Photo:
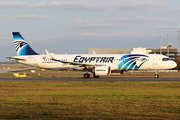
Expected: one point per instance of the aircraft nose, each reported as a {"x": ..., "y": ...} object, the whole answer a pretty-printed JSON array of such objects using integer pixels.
[{"x": 173, "y": 64}]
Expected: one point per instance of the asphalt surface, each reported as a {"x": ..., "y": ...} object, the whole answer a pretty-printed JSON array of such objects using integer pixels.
[{"x": 93, "y": 79}]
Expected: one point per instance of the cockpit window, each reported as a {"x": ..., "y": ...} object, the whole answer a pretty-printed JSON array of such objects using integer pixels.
[{"x": 165, "y": 59}]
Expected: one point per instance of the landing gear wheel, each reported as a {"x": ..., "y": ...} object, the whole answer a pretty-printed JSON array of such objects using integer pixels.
[
  {"x": 86, "y": 75},
  {"x": 95, "y": 76},
  {"x": 156, "y": 76}
]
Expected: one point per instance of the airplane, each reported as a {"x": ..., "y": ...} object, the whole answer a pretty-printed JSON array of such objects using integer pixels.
[{"x": 98, "y": 64}]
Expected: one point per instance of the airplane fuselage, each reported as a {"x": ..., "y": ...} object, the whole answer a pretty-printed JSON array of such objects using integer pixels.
[{"x": 115, "y": 61}]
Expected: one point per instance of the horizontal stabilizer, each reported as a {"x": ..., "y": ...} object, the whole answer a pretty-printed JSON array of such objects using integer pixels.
[{"x": 14, "y": 58}]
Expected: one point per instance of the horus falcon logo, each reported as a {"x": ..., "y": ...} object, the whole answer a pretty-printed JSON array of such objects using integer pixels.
[
  {"x": 132, "y": 62},
  {"x": 19, "y": 45}
]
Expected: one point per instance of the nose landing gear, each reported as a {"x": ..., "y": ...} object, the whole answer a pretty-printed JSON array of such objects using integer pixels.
[{"x": 156, "y": 74}]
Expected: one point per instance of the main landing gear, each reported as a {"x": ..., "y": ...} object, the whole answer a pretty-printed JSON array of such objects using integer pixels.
[
  {"x": 87, "y": 75},
  {"x": 156, "y": 75},
  {"x": 95, "y": 76}
]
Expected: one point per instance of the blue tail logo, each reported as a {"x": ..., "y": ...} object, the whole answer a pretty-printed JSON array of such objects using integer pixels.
[{"x": 22, "y": 47}]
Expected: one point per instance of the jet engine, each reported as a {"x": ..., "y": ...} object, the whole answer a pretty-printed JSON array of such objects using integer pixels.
[{"x": 102, "y": 70}]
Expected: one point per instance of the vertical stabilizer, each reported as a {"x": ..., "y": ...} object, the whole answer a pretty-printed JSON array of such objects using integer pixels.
[{"x": 22, "y": 47}]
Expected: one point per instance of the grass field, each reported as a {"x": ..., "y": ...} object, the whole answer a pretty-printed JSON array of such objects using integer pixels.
[{"x": 89, "y": 100}]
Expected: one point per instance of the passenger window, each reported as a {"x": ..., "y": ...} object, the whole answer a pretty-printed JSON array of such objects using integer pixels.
[{"x": 165, "y": 59}]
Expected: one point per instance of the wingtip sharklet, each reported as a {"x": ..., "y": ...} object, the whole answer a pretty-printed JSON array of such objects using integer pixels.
[{"x": 50, "y": 56}]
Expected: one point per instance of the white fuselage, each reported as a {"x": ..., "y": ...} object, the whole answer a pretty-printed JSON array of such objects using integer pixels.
[{"x": 115, "y": 61}]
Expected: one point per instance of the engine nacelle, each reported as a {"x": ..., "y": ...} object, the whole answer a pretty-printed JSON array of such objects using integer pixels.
[{"x": 102, "y": 70}]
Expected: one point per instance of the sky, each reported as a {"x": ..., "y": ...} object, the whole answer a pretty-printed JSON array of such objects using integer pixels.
[{"x": 73, "y": 26}]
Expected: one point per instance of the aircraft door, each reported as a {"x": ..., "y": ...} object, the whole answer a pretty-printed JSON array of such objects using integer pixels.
[
  {"x": 155, "y": 62},
  {"x": 36, "y": 61}
]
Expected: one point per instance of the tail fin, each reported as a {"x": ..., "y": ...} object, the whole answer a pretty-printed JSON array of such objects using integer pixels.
[{"x": 22, "y": 47}]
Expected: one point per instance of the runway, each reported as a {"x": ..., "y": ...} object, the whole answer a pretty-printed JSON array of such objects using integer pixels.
[{"x": 91, "y": 79}]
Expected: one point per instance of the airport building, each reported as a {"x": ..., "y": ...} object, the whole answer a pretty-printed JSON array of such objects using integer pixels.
[
  {"x": 109, "y": 50},
  {"x": 168, "y": 51},
  {"x": 171, "y": 53}
]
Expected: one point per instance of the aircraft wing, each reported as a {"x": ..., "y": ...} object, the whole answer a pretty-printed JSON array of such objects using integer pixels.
[{"x": 71, "y": 63}]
